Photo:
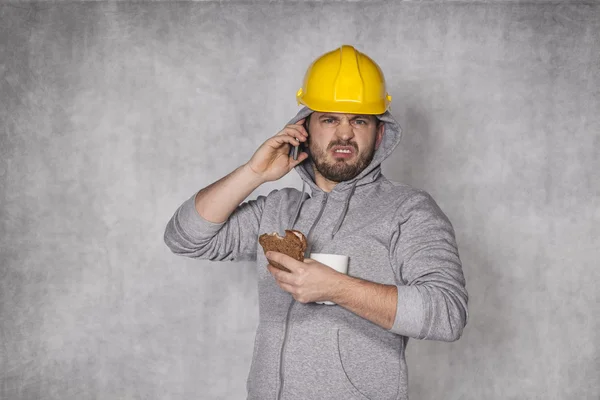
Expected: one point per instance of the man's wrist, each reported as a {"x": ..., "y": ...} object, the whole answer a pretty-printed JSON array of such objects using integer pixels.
[
  {"x": 251, "y": 176},
  {"x": 341, "y": 289}
]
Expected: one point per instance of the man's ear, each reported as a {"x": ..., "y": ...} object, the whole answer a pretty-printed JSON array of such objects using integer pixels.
[{"x": 380, "y": 132}]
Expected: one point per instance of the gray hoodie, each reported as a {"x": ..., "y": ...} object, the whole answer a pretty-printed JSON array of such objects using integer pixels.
[{"x": 393, "y": 234}]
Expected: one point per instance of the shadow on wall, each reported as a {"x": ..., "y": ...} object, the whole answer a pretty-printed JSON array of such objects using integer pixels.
[{"x": 419, "y": 161}]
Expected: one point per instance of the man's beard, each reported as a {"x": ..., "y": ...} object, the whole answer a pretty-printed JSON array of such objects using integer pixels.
[{"x": 340, "y": 170}]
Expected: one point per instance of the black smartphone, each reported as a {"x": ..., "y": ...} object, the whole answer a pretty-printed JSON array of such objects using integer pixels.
[{"x": 295, "y": 150}]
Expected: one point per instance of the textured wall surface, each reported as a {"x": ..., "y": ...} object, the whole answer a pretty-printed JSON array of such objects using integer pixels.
[{"x": 112, "y": 114}]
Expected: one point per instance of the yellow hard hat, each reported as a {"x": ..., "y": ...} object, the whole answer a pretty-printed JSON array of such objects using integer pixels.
[{"x": 345, "y": 81}]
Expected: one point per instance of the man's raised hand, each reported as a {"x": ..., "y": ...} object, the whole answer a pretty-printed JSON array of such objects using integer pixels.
[{"x": 272, "y": 160}]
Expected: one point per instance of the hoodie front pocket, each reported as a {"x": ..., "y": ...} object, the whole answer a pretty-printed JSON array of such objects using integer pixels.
[
  {"x": 371, "y": 361},
  {"x": 335, "y": 346},
  {"x": 313, "y": 369}
]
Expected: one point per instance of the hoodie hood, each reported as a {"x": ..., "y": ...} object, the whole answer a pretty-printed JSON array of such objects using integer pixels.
[{"x": 391, "y": 139}]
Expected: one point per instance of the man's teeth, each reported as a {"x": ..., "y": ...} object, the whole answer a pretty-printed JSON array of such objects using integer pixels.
[{"x": 343, "y": 151}]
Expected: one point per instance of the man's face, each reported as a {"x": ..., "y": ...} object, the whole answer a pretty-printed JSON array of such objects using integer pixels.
[{"x": 343, "y": 145}]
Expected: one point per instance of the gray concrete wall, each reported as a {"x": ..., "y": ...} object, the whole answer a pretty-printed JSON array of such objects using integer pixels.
[{"x": 112, "y": 114}]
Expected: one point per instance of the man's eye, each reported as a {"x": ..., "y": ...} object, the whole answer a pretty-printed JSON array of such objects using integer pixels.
[
  {"x": 328, "y": 120},
  {"x": 360, "y": 121}
]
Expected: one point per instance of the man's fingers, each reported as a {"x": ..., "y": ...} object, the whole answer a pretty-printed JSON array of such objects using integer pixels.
[
  {"x": 286, "y": 287},
  {"x": 279, "y": 275},
  {"x": 300, "y": 129},
  {"x": 301, "y": 157},
  {"x": 291, "y": 133},
  {"x": 293, "y": 130},
  {"x": 299, "y": 124},
  {"x": 282, "y": 259},
  {"x": 283, "y": 139}
]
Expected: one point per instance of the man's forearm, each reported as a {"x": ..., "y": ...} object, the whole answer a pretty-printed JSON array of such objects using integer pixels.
[
  {"x": 216, "y": 202},
  {"x": 373, "y": 301}
]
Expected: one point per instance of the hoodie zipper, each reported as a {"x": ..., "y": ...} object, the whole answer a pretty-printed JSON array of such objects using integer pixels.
[{"x": 289, "y": 311}]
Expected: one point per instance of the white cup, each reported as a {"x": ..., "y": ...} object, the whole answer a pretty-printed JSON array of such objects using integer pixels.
[{"x": 335, "y": 261}]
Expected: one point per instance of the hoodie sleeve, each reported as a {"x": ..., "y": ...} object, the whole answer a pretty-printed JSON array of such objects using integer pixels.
[
  {"x": 432, "y": 301},
  {"x": 189, "y": 234}
]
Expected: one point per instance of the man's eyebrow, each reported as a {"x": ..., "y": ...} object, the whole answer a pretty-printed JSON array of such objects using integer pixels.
[{"x": 333, "y": 116}]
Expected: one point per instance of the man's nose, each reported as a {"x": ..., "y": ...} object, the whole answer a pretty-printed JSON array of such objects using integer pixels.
[{"x": 345, "y": 130}]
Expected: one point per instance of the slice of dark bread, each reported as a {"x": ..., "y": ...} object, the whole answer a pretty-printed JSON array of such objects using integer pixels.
[{"x": 293, "y": 244}]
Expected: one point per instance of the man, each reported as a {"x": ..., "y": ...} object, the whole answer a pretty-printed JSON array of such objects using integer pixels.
[{"x": 404, "y": 278}]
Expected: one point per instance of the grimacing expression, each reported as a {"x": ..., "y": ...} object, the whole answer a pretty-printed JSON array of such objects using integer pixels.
[{"x": 352, "y": 144}]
